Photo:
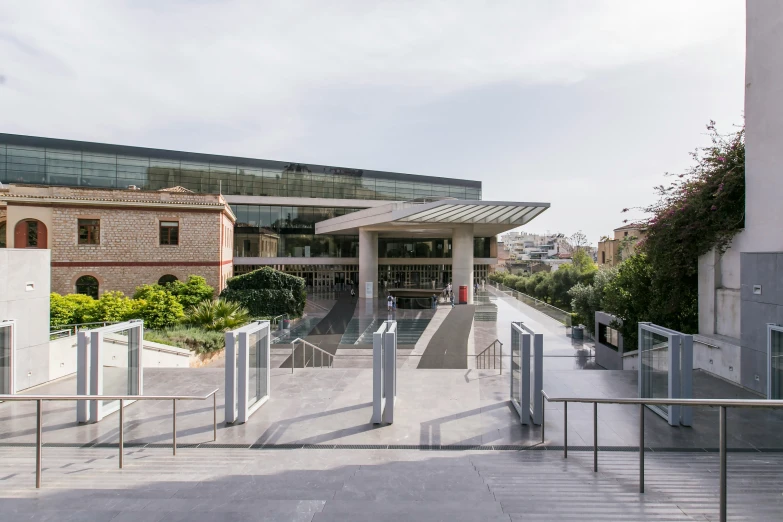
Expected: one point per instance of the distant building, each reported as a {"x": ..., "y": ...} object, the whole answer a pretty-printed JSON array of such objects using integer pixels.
[
  {"x": 611, "y": 252},
  {"x": 115, "y": 239}
]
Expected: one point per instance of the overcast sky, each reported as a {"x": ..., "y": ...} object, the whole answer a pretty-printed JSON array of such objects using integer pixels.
[{"x": 583, "y": 104}]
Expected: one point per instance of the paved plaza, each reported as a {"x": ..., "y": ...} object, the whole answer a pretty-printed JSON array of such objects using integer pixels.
[{"x": 456, "y": 449}]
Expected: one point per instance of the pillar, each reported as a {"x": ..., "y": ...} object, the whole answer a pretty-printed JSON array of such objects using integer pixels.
[
  {"x": 462, "y": 260},
  {"x": 368, "y": 262}
]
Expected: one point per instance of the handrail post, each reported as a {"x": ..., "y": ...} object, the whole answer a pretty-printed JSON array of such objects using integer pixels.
[
  {"x": 292, "y": 356},
  {"x": 214, "y": 416},
  {"x": 722, "y": 464},
  {"x": 122, "y": 438},
  {"x": 174, "y": 426},
  {"x": 543, "y": 418},
  {"x": 641, "y": 448},
  {"x": 304, "y": 349},
  {"x": 38, "y": 442},
  {"x": 565, "y": 429},
  {"x": 595, "y": 437},
  {"x": 501, "y": 358}
]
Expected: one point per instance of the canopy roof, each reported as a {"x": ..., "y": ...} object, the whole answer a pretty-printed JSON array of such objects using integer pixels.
[{"x": 435, "y": 218}]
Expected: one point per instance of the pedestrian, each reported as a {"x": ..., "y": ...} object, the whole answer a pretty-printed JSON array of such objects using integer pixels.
[
  {"x": 452, "y": 300},
  {"x": 389, "y": 303},
  {"x": 353, "y": 294},
  {"x": 394, "y": 303}
]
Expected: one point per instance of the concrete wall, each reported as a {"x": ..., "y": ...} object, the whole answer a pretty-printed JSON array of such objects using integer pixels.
[
  {"x": 62, "y": 356},
  {"x": 24, "y": 297}
]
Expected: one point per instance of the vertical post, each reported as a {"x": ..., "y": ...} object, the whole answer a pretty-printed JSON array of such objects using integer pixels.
[
  {"x": 543, "y": 418},
  {"x": 565, "y": 429},
  {"x": 38, "y": 442},
  {"x": 122, "y": 438},
  {"x": 501, "y": 358},
  {"x": 723, "y": 464},
  {"x": 214, "y": 415},
  {"x": 174, "y": 426},
  {"x": 641, "y": 448},
  {"x": 304, "y": 347},
  {"x": 595, "y": 437},
  {"x": 292, "y": 357}
]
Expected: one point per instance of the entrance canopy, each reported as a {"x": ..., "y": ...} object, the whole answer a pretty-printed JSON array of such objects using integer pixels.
[{"x": 435, "y": 218}]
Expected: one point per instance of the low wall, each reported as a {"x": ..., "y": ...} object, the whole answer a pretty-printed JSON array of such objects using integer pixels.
[
  {"x": 606, "y": 356},
  {"x": 62, "y": 356}
]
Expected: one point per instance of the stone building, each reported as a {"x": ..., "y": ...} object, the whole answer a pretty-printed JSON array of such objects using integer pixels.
[
  {"x": 611, "y": 252},
  {"x": 114, "y": 239}
]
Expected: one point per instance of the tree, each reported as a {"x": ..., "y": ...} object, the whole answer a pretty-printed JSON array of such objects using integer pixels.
[
  {"x": 191, "y": 292},
  {"x": 113, "y": 307},
  {"x": 628, "y": 296},
  {"x": 578, "y": 241},
  {"x": 267, "y": 292},
  {"x": 159, "y": 308},
  {"x": 587, "y": 299}
]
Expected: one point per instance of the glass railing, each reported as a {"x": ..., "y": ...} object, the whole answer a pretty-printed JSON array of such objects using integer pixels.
[{"x": 555, "y": 313}]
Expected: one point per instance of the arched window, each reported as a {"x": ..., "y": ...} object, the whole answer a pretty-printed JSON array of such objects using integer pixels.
[
  {"x": 166, "y": 279},
  {"x": 30, "y": 233},
  {"x": 87, "y": 285},
  {"x": 2, "y": 234}
]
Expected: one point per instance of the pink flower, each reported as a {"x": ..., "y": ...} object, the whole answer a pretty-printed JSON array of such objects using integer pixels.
[
  {"x": 722, "y": 159},
  {"x": 714, "y": 208}
]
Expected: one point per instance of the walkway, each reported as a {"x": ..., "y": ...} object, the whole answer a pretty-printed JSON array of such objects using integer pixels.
[
  {"x": 384, "y": 486},
  {"x": 448, "y": 348}
]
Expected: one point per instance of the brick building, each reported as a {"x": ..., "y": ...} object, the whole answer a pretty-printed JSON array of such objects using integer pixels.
[{"x": 113, "y": 239}]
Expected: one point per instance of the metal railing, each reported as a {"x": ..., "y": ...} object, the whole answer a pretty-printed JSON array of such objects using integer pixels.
[
  {"x": 39, "y": 399},
  {"x": 545, "y": 308},
  {"x": 313, "y": 348},
  {"x": 487, "y": 359},
  {"x": 723, "y": 404},
  {"x": 72, "y": 329}
]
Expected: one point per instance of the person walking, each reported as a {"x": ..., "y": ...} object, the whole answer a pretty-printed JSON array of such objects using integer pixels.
[
  {"x": 389, "y": 303},
  {"x": 452, "y": 300},
  {"x": 353, "y": 294},
  {"x": 394, "y": 303}
]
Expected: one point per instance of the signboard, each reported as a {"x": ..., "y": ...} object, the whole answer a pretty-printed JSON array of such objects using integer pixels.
[{"x": 368, "y": 290}]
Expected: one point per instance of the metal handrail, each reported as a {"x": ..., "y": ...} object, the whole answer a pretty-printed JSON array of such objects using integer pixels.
[
  {"x": 720, "y": 403},
  {"x": 75, "y": 327},
  {"x": 543, "y": 305},
  {"x": 122, "y": 398},
  {"x": 486, "y": 355},
  {"x": 313, "y": 347}
]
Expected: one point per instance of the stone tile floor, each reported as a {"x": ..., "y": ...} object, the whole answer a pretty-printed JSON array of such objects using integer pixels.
[{"x": 210, "y": 485}]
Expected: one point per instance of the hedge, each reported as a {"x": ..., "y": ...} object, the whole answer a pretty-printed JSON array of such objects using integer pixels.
[{"x": 267, "y": 292}]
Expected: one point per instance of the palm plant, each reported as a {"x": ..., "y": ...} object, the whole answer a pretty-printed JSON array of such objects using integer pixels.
[{"x": 217, "y": 315}]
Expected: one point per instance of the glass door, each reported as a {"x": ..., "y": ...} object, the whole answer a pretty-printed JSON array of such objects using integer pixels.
[
  {"x": 775, "y": 362},
  {"x": 258, "y": 367},
  {"x": 6, "y": 357}
]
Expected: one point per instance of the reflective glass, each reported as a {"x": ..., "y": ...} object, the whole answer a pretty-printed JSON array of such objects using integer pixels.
[
  {"x": 6, "y": 342},
  {"x": 516, "y": 366},
  {"x": 258, "y": 367},
  {"x": 776, "y": 365},
  {"x": 115, "y": 351},
  {"x": 655, "y": 366}
]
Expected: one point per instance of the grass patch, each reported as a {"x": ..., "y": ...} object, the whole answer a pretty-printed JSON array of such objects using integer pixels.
[{"x": 194, "y": 339}]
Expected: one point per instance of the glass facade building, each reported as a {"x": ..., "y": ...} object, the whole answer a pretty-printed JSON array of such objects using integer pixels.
[
  {"x": 262, "y": 230},
  {"x": 46, "y": 161}
]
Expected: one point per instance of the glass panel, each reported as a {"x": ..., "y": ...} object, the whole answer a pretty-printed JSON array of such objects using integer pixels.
[
  {"x": 516, "y": 366},
  {"x": 776, "y": 365},
  {"x": 115, "y": 369},
  {"x": 258, "y": 368},
  {"x": 655, "y": 367},
  {"x": 6, "y": 342}
]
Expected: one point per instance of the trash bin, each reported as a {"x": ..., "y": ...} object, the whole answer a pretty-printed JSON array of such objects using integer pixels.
[
  {"x": 286, "y": 323},
  {"x": 463, "y": 295},
  {"x": 578, "y": 332}
]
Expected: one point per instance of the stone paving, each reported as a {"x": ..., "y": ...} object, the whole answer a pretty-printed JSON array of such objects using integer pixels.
[{"x": 211, "y": 485}]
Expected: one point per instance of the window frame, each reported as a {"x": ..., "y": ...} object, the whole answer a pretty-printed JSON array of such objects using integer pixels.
[
  {"x": 168, "y": 225},
  {"x": 95, "y": 235}
]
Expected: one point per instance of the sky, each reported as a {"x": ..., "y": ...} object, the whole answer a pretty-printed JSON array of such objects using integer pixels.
[{"x": 584, "y": 104}]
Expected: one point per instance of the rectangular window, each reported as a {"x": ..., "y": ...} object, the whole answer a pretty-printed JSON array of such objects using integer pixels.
[
  {"x": 608, "y": 336},
  {"x": 169, "y": 233},
  {"x": 89, "y": 231}
]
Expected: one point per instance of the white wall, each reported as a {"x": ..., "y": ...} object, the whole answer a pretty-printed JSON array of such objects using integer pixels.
[{"x": 25, "y": 280}]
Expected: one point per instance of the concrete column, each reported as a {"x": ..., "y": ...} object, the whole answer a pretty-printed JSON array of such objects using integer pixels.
[
  {"x": 462, "y": 260},
  {"x": 368, "y": 262}
]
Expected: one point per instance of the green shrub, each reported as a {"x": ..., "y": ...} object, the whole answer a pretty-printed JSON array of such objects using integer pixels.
[
  {"x": 267, "y": 292},
  {"x": 194, "y": 339},
  {"x": 587, "y": 299},
  {"x": 62, "y": 310},
  {"x": 160, "y": 309},
  {"x": 191, "y": 292},
  {"x": 113, "y": 307},
  {"x": 218, "y": 315}
]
